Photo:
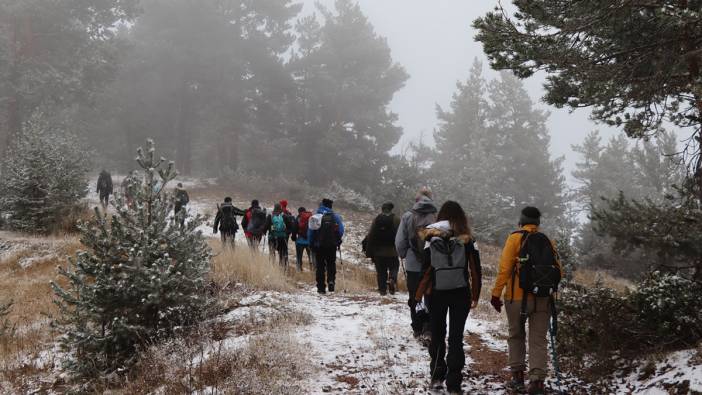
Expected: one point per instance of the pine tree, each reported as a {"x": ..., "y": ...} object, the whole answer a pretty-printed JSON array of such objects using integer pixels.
[
  {"x": 345, "y": 78},
  {"x": 638, "y": 64},
  {"x": 45, "y": 176},
  {"x": 139, "y": 278},
  {"x": 492, "y": 155}
]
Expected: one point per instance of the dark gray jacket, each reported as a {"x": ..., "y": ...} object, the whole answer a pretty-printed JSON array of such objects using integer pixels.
[{"x": 423, "y": 212}]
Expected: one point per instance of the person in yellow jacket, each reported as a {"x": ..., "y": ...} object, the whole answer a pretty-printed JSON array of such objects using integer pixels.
[{"x": 538, "y": 310}]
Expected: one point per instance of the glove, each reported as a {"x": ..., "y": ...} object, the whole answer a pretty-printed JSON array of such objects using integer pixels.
[
  {"x": 421, "y": 307},
  {"x": 496, "y": 303}
]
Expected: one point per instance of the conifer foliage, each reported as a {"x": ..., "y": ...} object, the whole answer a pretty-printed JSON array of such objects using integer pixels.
[
  {"x": 140, "y": 277},
  {"x": 45, "y": 175}
]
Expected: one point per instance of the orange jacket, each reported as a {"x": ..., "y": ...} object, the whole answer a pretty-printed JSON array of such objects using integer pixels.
[{"x": 508, "y": 272}]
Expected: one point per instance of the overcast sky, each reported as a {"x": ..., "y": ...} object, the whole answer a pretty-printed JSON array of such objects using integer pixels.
[{"x": 433, "y": 40}]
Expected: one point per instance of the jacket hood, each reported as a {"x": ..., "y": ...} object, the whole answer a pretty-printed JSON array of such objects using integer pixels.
[
  {"x": 442, "y": 229},
  {"x": 284, "y": 204},
  {"x": 324, "y": 210},
  {"x": 424, "y": 206}
]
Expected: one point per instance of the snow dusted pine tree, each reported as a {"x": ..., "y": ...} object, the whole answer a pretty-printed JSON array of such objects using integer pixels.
[
  {"x": 45, "y": 175},
  {"x": 140, "y": 277}
]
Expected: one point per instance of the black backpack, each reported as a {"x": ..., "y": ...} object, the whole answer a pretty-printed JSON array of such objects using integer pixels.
[
  {"x": 385, "y": 230},
  {"x": 539, "y": 272},
  {"x": 257, "y": 224},
  {"x": 328, "y": 235}
]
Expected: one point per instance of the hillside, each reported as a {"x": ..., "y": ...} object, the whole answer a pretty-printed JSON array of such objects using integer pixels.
[{"x": 275, "y": 334}]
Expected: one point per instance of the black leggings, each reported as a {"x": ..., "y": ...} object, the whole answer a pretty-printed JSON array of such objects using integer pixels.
[{"x": 456, "y": 304}]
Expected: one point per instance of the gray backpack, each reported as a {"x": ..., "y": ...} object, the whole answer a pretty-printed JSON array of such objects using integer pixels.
[{"x": 449, "y": 260}]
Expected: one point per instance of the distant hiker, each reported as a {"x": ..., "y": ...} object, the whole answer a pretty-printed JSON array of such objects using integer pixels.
[
  {"x": 181, "y": 201},
  {"x": 225, "y": 222},
  {"x": 302, "y": 244},
  {"x": 104, "y": 188},
  {"x": 410, "y": 248},
  {"x": 278, "y": 234},
  {"x": 326, "y": 230},
  {"x": 380, "y": 247},
  {"x": 254, "y": 224},
  {"x": 129, "y": 185},
  {"x": 453, "y": 277},
  {"x": 527, "y": 252}
]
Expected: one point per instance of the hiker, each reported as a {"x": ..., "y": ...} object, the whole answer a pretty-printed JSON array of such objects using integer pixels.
[
  {"x": 254, "y": 224},
  {"x": 225, "y": 222},
  {"x": 302, "y": 244},
  {"x": 410, "y": 249},
  {"x": 380, "y": 247},
  {"x": 181, "y": 200},
  {"x": 129, "y": 184},
  {"x": 453, "y": 277},
  {"x": 277, "y": 231},
  {"x": 104, "y": 188},
  {"x": 525, "y": 249},
  {"x": 325, "y": 233}
]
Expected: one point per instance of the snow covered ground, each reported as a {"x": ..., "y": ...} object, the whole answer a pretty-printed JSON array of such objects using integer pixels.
[{"x": 363, "y": 344}]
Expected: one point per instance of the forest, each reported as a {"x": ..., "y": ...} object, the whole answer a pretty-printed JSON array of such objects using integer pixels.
[{"x": 283, "y": 100}]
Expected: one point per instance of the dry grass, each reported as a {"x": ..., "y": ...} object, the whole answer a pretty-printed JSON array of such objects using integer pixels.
[
  {"x": 589, "y": 277},
  {"x": 259, "y": 271},
  {"x": 31, "y": 293},
  {"x": 274, "y": 363}
]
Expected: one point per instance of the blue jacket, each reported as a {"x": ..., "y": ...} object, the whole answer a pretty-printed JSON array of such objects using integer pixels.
[{"x": 312, "y": 234}]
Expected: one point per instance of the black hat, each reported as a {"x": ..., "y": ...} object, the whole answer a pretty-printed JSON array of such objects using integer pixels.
[
  {"x": 254, "y": 203},
  {"x": 530, "y": 216},
  {"x": 387, "y": 207},
  {"x": 227, "y": 199},
  {"x": 328, "y": 203},
  {"x": 301, "y": 210}
]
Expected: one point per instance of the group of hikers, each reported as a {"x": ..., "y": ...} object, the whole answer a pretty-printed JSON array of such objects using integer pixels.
[
  {"x": 318, "y": 235},
  {"x": 444, "y": 279},
  {"x": 442, "y": 267}
]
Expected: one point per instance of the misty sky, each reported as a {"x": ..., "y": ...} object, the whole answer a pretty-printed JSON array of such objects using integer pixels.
[{"x": 434, "y": 41}]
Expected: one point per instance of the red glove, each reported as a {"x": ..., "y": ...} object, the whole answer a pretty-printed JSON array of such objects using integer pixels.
[{"x": 496, "y": 303}]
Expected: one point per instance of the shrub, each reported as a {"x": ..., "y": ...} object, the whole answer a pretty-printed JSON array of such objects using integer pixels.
[
  {"x": 141, "y": 277},
  {"x": 670, "y": 306},
  {"x": 598, "y": 324},
  {"x": 45, "y": 175}
]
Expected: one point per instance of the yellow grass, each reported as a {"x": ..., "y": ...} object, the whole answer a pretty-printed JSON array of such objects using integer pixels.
[
  {"x": 588, "y": 277},
  {"x": 31, "y": 293},
  {"x": 259, "y": 271}
]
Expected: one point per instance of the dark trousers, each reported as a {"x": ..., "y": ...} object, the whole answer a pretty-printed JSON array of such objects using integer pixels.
[
  {"x": 280, "y": 246},
  {"x": 326, "y": 268},
  {"x": 104, "y": 199},
  {"x": 455, "y": 304},
  {"x": 254, "y": 241},
  {"x": 300, "y": 253},
  {"x": 419, "y": 322},
  {"x": 386, "y": 268},
  {"x": 228, "y": 238}
]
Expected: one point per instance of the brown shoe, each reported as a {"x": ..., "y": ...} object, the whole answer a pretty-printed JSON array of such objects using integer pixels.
[
  {"x": 516, "y": 384},
  {"x": 536, "y": 387}
]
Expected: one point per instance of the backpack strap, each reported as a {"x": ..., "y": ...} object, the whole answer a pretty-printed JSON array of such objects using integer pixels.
[{"x": 524, "y": 234}]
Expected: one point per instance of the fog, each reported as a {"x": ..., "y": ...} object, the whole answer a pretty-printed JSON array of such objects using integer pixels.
[{"x": 434, "y": 42}]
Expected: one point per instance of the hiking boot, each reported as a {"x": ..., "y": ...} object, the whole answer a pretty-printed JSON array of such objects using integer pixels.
[
  {"x": 383, "y": 292},
  {"x": 436, "y": 384},
  {"x": 536, "y": 387},
  {"x": 391, "y": 287},
  {"x": 416, "y": 334},
  {"x": 321, "y": 291},
  {"x": 331, "y": 287},
  {"x": 455, "y": 392},
  {"x": 516, "y": 384}
]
